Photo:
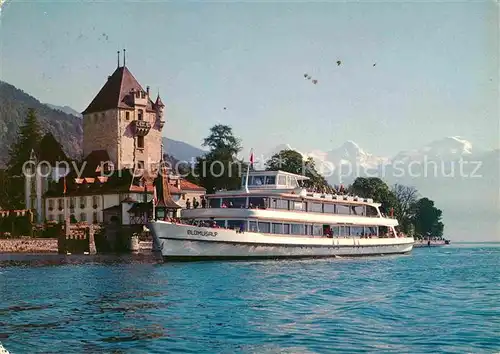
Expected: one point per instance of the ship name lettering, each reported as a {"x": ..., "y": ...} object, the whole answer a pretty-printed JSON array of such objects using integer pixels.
[{"x": 201, "y": 233}]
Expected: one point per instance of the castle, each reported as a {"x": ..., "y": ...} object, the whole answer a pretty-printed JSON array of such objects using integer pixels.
[
  {"x": 122, "y": 131},
  {"x": 123, "y": 120}
]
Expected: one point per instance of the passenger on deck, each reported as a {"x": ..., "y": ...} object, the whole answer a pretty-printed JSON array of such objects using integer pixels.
[
  {"x": 203, "y": 202},
  {"x": 195, "y": 203},
  {"x": 188, "y": 204}
]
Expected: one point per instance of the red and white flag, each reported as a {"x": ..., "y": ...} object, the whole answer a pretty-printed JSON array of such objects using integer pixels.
[{"x": 251, "y": 158}]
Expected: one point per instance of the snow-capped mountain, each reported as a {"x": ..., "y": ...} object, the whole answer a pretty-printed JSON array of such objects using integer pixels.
[
  {"x": 347, "y": 157},
  {"x": 449, "y": 148},
  {"x": 462, "y": 180}
]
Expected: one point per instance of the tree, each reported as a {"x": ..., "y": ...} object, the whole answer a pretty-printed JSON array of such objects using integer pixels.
[
  {"x": 293, "y": 162},
  {"x": 219, "y": 168},
  {"x": 376, "y": 189},
  {"x": 406, "y": 197},
  {"x": 28, "y": 140},
  {"x": 221, "y": 139},
  {"x": 427, "y": 218}
]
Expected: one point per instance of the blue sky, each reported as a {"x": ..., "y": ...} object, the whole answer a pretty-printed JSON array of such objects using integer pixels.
[{"x": 436, "y": 70}]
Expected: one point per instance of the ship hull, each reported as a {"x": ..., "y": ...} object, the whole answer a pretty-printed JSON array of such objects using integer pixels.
[{"x": 187, "y": 243}]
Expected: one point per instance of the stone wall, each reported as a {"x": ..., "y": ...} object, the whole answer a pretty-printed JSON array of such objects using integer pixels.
[
  {"x": 78, "y": 238},
  {"x": 29, "y": 245},
  {"x": 100, "y": 132}
]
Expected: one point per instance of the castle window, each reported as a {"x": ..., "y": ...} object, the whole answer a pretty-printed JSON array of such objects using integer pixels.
[
  {"x": 60, "y": 217},
  {"x": 140, "y": 165},
  {"x": 102, "y": 115},
  {"x": 140, "y": 142},
  {"x": 95, "y": 218},
  {"x": 139, "y": 114},
  {"x": 127, "y": 115},
  {"x": 83, "y": 217}
]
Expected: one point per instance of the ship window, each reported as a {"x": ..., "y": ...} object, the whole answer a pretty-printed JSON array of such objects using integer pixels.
[
  {"x": 297, "y": 206},
  {"x": 315, "y": 207},
  {"x": 264, "y": 227},
  {"x": 277, "y": 228},
  {"x": 357, "y": 210},
  {"x": 282, "y": 180},
  {"x": 280, "y": 204},
  {"x": 236, "y": 224},
  {"x": 371, "y": 231},
  {"x": 344, "y": 231},
  {"x": 317, "y": 230},
  {"x": 270, "y": 179},
  {"x": 371, "y": 211},
  {"x": 214, "y": 202},
  {"x": 335, "y": 231},
  {"x": 234, "y": 202},
  {"x": 252, "y": 226},
  {"x": 258, "y": 180},
  {"x": 221, "y": 223},
  {"x": 286, "y": 229},
  {"x": 329, "y": 208},
  {"x": 357, "y": 230},
  {"x": 256, "y": 202},
  {"x": 297, "y": 229},
  {"x": 342, "y": 209}
]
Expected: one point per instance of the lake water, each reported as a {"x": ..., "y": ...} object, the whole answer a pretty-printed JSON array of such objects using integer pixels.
[{"x": 443, "y": 300}]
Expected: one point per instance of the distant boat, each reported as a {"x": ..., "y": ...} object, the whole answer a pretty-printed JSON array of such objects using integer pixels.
[
  {"x": 431, "y": 243},
  {"x": 271, "y": 216}
]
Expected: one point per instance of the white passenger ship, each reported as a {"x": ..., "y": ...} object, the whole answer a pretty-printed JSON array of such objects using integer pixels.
[{"x": 273, "y": 217}]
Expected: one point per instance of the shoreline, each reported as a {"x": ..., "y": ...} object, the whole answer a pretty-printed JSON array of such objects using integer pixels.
[{"x": 29, "y": 245}]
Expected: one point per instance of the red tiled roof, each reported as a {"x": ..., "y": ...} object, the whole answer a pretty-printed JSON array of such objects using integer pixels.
[
  {"x": 116, "y": 93},
  {"x": 186, "y": 185}
]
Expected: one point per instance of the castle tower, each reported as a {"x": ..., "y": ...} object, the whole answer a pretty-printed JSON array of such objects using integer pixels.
[{"x": 124, "y": 121}]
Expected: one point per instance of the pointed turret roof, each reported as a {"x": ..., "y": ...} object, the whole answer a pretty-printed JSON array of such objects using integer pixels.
[
  {"x": 164, "y": 198},
  {"x": 50, "y": 150},
  {"x": 158, "y": 102},
  {"x": 116, "y": 92}
]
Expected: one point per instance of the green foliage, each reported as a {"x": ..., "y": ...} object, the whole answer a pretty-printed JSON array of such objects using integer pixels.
[
  {"x": 4, "y": 189},
  {"x": 406, "y": 197},
  {"x": 219, "y": 168},
  {"x": 293, "y": 162},
  {"x": 222, "y": 140},
  {"x": 427, "y": 218},
  {"x": 28, "y": 140},
  {"x": 417, "y": 217},
  {"x": 375, "y": 188}
]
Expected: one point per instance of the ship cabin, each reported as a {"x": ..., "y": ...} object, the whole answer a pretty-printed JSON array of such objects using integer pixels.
[{"x": 280, "y": 190}]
